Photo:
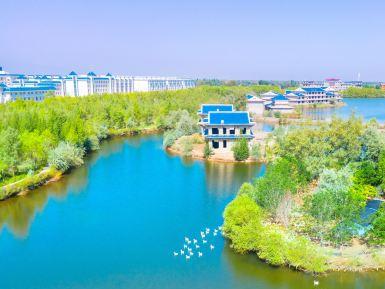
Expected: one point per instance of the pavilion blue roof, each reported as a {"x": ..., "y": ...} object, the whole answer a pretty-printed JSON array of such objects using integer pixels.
[
  {"x": 279, "y": 97},
  {"x": 229, "y": 118},
  {"x": 206, "y": 108},
  {"x": 72, "y": 73},
  {"x": 91, "y": 73}
]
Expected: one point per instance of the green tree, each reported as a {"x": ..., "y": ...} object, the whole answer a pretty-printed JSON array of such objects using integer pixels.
[
  {"x": 376, "y": 233},
  {"x": 241, "y": 150},
  {"x": 9, "y": 151},
  {"x": 66, "y": 156}
]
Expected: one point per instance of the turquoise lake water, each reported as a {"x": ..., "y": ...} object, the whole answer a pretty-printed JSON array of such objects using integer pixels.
[
  {"x": 115, "y": 222},
  {"x": 367, "y": 108}
]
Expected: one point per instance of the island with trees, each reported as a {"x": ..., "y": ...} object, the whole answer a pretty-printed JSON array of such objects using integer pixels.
[{"x": 308, "y": 210}]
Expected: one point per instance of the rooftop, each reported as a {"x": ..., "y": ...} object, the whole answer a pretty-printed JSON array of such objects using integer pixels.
[
  {"x": 206, "y": 108},
  {"x": 229, "y": 118}
]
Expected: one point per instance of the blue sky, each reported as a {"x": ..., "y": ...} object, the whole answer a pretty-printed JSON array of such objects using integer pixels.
[{"x": 217, "y": 39}]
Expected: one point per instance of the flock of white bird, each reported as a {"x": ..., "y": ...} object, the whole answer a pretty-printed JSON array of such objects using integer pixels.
[{"x": 195, "y": 246}]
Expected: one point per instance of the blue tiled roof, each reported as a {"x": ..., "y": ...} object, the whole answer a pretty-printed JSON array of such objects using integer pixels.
[
  {"x": 279, "y": 97},
  {"x": 26, "y": 88},
  {"x": 48, "y": 83},
  {"x": 206, "y": 108},
  {"x": 329, "y": 93},
  {"x": 108, "y": 74},
  {"x": 229, "y": 118},
  {"x": 313, "y": 89},
  {"x": 73, "y": 73},
  {"x": 91, "y": 73},
  {"x": 248, "y": 96}
]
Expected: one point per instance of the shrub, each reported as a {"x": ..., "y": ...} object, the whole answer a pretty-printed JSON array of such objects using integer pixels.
[
  {"x": 187, "y": 146},
  {"x": 169, "y": 138},
  {"x": 66, "y": 156},
  {"x": 242, "y": 223},
  {"x": 207, "y": 151},
  {"x": 241, "y": 150}
]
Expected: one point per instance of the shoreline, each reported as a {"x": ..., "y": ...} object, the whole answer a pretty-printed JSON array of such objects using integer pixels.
[
  {"x": 339, "y": 259},
  {"x": 178, "y": 153},
  {"x": 49, "y": 175}
]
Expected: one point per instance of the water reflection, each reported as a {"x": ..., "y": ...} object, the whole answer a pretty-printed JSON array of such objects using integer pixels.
[
  {"x": 226, "y": 178},
  {"x": 17, "y": 214}
]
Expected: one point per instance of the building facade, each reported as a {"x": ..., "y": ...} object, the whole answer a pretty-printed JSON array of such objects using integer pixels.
[
  {"x": 255, "y": 105},
  {"x": 222, "y": 128},
  {"x": 86, "y": 84},
  {"x": 312, "y": 95}
]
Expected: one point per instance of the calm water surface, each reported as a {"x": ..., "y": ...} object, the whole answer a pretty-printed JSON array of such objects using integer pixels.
[
  {"x": 115, "y": 222},
  {"x": 367, "y": 108}
]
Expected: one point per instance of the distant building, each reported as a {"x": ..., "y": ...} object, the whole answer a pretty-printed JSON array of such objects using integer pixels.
[
  {"x": 90, "y": 83},
  {"x": 222, "y": 128},
  {"x": 268, "y": 95},
  {"x": 280, "y": 103},
  {"x": 22, "y": 92},
  {"x": 255, "y": 105},
  {"x": 312, "y": 95},
  {"x": 312, "y": 83},
  {"x": 383, "y": 86}
]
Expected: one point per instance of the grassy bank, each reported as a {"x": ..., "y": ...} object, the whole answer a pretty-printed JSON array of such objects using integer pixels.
[{"x": 28, "y": 183}]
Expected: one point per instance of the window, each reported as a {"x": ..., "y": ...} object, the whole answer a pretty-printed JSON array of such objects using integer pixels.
[
  {"x": 225, "y": 143},
  {"x": 224, "y": 130},
  {"x": 215, "y": 130},
  {"x": 215, "y": 144},
  {"x": 232, "y": 131}
]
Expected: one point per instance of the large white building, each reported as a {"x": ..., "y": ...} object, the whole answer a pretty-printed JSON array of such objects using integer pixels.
[{"x": 23, "y": 86}]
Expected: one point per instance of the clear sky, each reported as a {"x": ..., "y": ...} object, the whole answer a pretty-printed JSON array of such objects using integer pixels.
[{"x": 241, "y": 39}]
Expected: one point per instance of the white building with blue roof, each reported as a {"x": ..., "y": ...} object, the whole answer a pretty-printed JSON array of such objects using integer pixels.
[
  {"x": 75, "y": 85},
  {"x": 312, "y": 95},
  {"x": 222, "y": 128}
]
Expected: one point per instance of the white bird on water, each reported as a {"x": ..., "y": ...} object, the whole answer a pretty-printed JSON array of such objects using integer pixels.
[
  {"x": 204, "y": 241},
  {"x": 200, "y": 254},
  {"x": 186, "y": 239},
  {"x": 184, "y": 246},
  {"x": 212, "y": 247},
  {"x": 181, "y": 252},
  {"x": 197, "y": 246},
  {"x": 187, "y": 257},
  {"x": 195, "y": 241},
  {"x": 175, "y": 254}
]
